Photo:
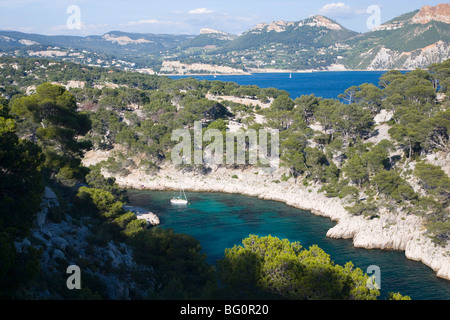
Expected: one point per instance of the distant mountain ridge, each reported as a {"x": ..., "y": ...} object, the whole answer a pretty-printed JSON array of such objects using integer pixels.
[
  {"x": 412, "y": 40},
  {"x": 315, "y": 31}
]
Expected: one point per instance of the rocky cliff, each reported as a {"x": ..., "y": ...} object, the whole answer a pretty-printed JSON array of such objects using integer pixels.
[
  {"x": 382, "y": 58},
  {"x": 69, "y": 242},
  {"x": 413, "y": 40},
  {"x": 440, "y": 12}
]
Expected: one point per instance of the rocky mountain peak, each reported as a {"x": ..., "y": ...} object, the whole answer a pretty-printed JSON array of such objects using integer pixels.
[
  {"x": 217, "y": 33},
  {"x": 280, "y": 26},
  {"x": 320, "y": 21},
  {"x": 211, "y": 31},
  {"x": 440, "y": 12},
  {"x": 277, "y": 26}
]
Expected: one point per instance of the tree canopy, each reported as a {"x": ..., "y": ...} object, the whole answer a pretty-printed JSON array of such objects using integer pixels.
[
  {"x": 268, "y": 267},
  {"x": 50, "y": 116}
]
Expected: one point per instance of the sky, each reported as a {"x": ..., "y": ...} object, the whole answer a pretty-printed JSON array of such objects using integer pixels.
[{"x": 97, "y": 17}]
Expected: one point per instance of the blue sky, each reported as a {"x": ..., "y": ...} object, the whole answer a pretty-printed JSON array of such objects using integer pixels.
[{"x": 188, "y": 16}]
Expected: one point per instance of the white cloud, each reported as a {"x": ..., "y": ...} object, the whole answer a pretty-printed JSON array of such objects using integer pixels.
[
  {"x": 339, "y": 10},
  {"x": 200, "y": 11},
  {"x": 335, "y": 7}
]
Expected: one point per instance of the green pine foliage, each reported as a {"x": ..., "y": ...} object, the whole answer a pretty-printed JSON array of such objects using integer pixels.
[
  {"x": 21, "y": 187},
  {"x": 271, "y": 268}
]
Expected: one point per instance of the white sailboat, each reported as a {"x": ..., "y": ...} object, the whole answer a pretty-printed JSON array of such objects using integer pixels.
[
  {"x": 290, "y": 75},
  {"x": 181, "y": 199}
]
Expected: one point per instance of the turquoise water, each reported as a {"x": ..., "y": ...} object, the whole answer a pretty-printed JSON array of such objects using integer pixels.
[
  {"x": 220, "y": 221},
  {"x": 328, "y": 84}
]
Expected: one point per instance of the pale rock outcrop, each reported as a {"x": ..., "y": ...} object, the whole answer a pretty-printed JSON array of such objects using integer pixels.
[
  {"x": 440, "y": 12},
  {"x": 245, "y": 101},
  {"x": 141, "y": 213},
  {"x": 47, "y": 53},
  {"x": 383, "y": 116},
  {"x": 124, "y": 40},
  {"x": 320, "y": 21},
  {"x": 150, "y": 217},
  {"x": 382, "y": 58},
  {"x": 178, "y": 67},
  {"x": 221, "y": 35},
  {"x": 59, "y": 240}
]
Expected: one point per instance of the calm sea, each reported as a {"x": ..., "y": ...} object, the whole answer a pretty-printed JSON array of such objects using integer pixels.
[
  {"x": 322, "y": 84},
  {"x": 220, "y": 221}
]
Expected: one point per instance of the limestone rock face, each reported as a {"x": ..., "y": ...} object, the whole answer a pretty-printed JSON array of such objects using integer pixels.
[
  {"x": 221, "y": 35},
  {"x": 418, "y": 48},
  {"x": 63, "y": 243},
  {"x": 386, "y": 58},
  {"x": 150, "y": 217},
  {"x": 124, "y": 40},
  {"x": 320, "y": 21},
  {"x": 440, "y": 12},
  {"x": 141, "y": 213}
]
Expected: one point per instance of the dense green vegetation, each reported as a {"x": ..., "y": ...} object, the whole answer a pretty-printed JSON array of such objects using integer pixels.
[
  {"x": 43, "y": 134},
  {"x": 267, "y": 267},
  {"x": 20, "y": 197}
]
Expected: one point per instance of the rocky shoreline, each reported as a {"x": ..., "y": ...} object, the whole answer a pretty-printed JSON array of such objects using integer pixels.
[{"x": 388, "y": 231}]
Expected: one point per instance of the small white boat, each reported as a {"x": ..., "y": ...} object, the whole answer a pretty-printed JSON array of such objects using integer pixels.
[
  {"x": 181, "y": 199},
  {"x": 178, "y": 201}
]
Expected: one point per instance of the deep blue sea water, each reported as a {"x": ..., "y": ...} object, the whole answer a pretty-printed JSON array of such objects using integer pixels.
[
  {"x": 327, "y": 84},
  {"x": 220, "y": 221}
]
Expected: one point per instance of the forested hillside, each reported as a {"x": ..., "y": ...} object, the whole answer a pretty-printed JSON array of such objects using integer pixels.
[
  {"x": 314, "y": 43},
  {"x": 53, "y": 112}
]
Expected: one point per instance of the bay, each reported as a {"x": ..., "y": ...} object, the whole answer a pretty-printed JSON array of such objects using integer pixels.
[
  {"x": 326, "y": 84},
  {"x": 220, "y": 221}
]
